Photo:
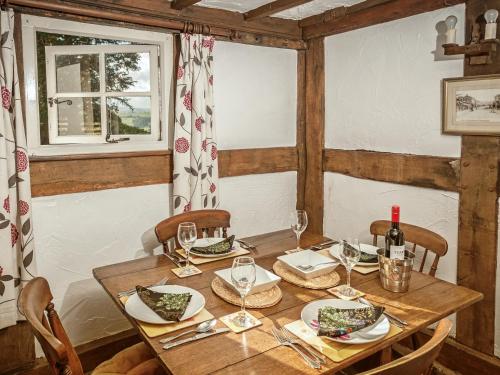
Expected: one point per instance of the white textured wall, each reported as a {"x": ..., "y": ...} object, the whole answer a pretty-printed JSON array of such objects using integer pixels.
[
  {"x": 383, "y": 93},
  {"x": 383, "y": 87},
  {"x": 255, "y": 107}
]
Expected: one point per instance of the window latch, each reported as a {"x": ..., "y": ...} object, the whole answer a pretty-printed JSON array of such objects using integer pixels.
[
  {"x": 116, "y": 140},
  {"x": 53, "y": 101}
]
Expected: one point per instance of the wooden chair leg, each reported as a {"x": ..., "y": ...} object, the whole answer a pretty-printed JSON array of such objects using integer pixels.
[{"x": 385, "y": 355}]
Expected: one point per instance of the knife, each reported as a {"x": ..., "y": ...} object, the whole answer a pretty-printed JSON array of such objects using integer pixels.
[
  {"x": 324, "y": 245},
  {"x": 199, "y": 336},
  {"x": 386, "y": 313}
]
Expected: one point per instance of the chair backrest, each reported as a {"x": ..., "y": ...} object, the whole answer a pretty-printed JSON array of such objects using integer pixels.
[
  {"x": 36, "y": 305},
  {"x": 418, "y": 236},
  {"x": 419, "y": 361},
  {"x": 208, "y": 222}
]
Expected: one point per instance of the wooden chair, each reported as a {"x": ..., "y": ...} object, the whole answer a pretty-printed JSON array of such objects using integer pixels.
[
  {"x": 420, "y": 361},
  {"x": 422, "y": 237},
  {"x": 36, "y": 305},
  {"x": 208, "y": 222}
]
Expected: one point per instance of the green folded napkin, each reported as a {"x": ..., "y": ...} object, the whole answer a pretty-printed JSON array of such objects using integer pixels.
[
  {"x": 334, "y": 322},
  {"x": 222, "y": 247},
  {"x": 169, "y": 306},
  {"x": 368, "y": 258}
]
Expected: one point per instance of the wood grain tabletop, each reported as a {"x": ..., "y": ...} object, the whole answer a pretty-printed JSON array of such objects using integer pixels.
[{"x": 256, "y": 351}]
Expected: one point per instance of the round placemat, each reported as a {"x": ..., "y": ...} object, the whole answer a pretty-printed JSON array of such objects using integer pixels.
[
  {"x": 260, "y": 300},
  {"x": 321, "y": 282}
]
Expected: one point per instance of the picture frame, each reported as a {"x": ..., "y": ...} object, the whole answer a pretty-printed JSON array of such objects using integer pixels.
[{"x": 471, "y": 105}]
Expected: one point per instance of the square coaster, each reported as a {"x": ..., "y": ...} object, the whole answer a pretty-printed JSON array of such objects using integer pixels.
[
  {"x": 178, "y": 271},
  {"x": 228, "y": 320},
  {"x": 336, "y": 291}
]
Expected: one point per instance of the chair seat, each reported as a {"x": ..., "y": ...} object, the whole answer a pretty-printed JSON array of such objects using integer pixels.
[{"x": 135, "y": 360}]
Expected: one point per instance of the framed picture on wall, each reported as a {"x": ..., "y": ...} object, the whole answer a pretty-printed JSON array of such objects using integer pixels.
[{"x": 471, "y": 105}]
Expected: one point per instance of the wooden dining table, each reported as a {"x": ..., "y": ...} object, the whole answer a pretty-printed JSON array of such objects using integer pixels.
[{"x": 256, "y": 351}]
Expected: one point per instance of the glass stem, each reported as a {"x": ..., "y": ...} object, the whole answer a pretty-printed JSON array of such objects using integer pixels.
[
  {"x": 298, "y": 239},
  {"x": 243, "y": 296},
  {"x": 349, "y": 278},
  {"x": 187, "y": 257}
]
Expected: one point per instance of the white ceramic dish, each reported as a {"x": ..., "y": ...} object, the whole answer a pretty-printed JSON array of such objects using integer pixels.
[
  {"x": 203, "y": 242},
  {"x": 264, "y": 279},
  {"x": 308, "y": 257},
  {"x": 369, "y": 249},
  {"x": 140, "y": 311},
  {"x": 375, "y": 332}
]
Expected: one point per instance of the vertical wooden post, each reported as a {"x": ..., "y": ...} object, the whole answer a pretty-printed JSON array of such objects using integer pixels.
[
  {"x": 301, "y": 128},
  {"x": 478, "y": 214},
  {"x": 314, "y": 133}
]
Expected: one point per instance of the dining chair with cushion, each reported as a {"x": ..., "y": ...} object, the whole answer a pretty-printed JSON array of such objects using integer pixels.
[
  {"x": 36, "y": 305},
  {"x": 208, "y": 223},
  {"x": 420, "y": 361},
  {"x": 418, "y": 236}
]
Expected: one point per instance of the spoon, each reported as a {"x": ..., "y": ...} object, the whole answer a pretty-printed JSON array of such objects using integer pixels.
[
  {"x": 202, "y": 328},
  {"x": 308, "y": 267}
]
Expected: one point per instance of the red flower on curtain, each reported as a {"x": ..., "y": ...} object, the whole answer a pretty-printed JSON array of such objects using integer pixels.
[
  {"x": 23, "y": 207},
  {"x": 6, "y": 204},
  {"x": 204, "y": 145},
  {"x": 187, "y": 101},
  {"x": 187, "y": 207},
  {"x": 213, "y": 153},
  {"x": 180, "y": 72},
  {"x": 212, "y": 188},
  {"x": 181, "y": 145},
  {"x": 208, "y": 43},
  {"x": 198, "y": 123},
  {"x": 21, "y": 161},
  {"x": 211, "y": 80},
  {"x": 6, "y": 97},
  {"x": 14, "y": 234}
]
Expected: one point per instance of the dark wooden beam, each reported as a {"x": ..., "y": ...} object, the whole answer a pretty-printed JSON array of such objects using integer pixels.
[
  {"x": 273, "y": 8},
  {"x": 155, "y": 13},
  {"x": 335, "y": 22},
  {"x": 478, "y": 214},
  {"x": 78, "y": 173},
  {"x": 182, "y": 4},
  {"x": 315, "y": 133},
  {"x": 416, "y": 170},
  {"x": 301, "y": 129}
]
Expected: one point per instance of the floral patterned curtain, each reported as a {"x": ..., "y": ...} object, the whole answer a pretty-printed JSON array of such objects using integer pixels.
[
  {"x": 16, "y": 234},
  {"x": 195, "y": 147}
]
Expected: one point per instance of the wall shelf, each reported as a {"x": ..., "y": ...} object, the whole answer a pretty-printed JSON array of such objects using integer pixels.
[{"x": 479, "y": 53}]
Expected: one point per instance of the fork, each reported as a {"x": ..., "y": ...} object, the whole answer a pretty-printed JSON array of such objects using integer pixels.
[
  {"x": 128, "y": 293},
  {"x": 283, "y": 341},
  {"x": 246, "y": 245},
  {"x": 293, "y": 340}
]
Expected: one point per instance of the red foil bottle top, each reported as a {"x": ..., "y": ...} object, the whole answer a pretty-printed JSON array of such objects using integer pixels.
[{"x": 395, "y": 214}]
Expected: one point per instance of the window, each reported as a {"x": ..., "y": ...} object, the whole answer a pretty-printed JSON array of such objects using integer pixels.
[{"x": 95, "y": 92}]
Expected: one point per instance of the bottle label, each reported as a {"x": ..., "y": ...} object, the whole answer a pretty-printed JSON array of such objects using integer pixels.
[{"x": 397, "y": 252}]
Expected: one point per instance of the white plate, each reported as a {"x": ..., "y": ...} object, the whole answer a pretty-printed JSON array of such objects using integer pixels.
[
  {"x": 375, "y": 332},
  {"x": 203, "y": 242},
  {"x": 308, "y": 257},
  {"x": 264, "y": 279},
  {"x": 140, "y": 311},
  {"x": 369, "y": 249}
]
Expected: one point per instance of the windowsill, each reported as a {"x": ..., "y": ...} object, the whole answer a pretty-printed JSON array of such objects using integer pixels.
[{"x": 100, "y": 155}]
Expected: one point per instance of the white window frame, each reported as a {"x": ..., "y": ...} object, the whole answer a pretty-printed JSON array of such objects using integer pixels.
[
  {"x": 164, "y": 42},
  {"x": 50, "y": 55}
]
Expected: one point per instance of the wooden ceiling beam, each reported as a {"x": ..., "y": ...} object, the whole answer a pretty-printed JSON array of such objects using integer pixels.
[
  {"x": 367, "y": 13},
  {"x": 181, "y": 4},
  {"x": 272, "y": 8}
]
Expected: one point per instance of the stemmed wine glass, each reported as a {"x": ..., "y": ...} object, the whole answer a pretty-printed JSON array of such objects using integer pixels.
[
  {"x": 243, "y": 275},
  {"x": 349, "y": 255},
  {"x": 186, "y": 235},
  {"x": 299, "y": 225}
]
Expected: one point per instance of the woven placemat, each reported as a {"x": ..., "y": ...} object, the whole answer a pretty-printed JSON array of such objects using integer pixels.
[
  {"x": 321, "y": 282},
  {"x": 260, "y": 300}
]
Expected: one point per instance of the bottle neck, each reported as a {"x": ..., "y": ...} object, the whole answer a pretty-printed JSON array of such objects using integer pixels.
[{"x": 395, "y": 225}]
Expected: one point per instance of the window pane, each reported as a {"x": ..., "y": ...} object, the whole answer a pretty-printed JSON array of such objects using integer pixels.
[
  {"x": 79, "y": 116},
  {"x": 127, "y": 72},
  {"x": 77, "y": 73},
  {"x": 129, "y": 115}
]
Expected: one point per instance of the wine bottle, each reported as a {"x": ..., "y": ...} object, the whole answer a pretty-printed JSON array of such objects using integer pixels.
[{"x": 395, "y": 238}]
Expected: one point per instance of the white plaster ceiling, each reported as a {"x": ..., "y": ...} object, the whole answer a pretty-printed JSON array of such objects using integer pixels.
[{"x": 297, "y": 13}]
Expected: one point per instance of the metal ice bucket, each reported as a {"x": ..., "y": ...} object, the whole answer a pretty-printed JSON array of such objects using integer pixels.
[{"x": 395, "y": 274}]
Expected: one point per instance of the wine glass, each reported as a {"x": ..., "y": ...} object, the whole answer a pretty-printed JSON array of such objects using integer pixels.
[
  {"x": 349, "y": 255},
  {"x": 243, "y": 275},
  {"x": 186, "y": 235},
  {"x": 299, "y": 225}
]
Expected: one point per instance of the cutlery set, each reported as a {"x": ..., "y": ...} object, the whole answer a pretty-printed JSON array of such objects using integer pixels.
[{"x": 310, "y": 358}]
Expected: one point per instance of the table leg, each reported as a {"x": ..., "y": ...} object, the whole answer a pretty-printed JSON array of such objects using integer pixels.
[{"x": 385, "y": 355}]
